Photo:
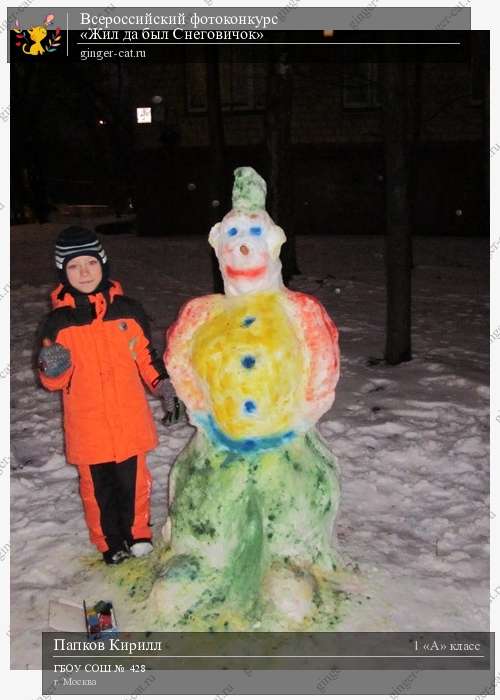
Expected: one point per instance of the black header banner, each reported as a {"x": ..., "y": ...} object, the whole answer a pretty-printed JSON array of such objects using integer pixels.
[{"x": 37, "y": 45}]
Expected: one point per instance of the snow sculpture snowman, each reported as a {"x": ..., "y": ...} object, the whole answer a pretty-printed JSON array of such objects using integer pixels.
[{"x": 253, "y": 496}]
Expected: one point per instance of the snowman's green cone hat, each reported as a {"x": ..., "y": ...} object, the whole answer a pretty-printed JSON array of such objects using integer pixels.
[{"x": 249, "y": 190}]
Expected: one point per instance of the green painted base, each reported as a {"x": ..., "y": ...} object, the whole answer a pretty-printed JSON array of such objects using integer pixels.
[{"x": 250, "y": 542}]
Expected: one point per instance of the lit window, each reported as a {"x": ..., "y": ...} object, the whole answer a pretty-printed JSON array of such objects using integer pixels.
[{"x": 144, "y": 115}]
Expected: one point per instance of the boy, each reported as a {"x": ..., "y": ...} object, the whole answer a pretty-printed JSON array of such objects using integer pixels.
[{"x": 96, "y": 346}]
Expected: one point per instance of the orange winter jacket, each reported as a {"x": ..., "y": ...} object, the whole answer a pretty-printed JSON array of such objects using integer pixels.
[{"x": 106, "y": 413}]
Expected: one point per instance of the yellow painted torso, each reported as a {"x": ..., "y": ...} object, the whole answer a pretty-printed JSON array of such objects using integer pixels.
[{"x": 250, "y": 358}]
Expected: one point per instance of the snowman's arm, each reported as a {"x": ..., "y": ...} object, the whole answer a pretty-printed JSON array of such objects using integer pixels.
[
  {"x": 320, "y": 336},
  {"x": 177, "y": 356}
]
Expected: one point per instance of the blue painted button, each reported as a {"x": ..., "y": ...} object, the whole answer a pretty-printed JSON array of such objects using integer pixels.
[
  {"x": 248, "y": 361},
  {"x": 250, "y": 406}
]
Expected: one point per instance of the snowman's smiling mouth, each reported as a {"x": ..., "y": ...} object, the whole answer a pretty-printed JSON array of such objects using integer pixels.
[{"x": 248, "y": 273}]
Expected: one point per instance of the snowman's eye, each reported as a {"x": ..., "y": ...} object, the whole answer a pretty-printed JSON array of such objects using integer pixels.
[
  {"x": 232, "y": 231},
  {"x": 255, "y": 230}
]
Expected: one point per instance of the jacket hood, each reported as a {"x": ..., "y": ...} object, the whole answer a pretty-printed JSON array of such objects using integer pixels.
[{"x": 62, "y": 296}]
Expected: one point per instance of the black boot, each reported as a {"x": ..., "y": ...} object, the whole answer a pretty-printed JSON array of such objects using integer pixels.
[{"x": 115, "y": 556}]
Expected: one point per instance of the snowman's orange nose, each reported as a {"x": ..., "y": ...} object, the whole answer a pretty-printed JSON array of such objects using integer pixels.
[{"x": 244, "y": 250}]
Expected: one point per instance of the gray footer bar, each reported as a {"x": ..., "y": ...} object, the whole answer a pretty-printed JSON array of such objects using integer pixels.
[{"x": 221, "y": 684}]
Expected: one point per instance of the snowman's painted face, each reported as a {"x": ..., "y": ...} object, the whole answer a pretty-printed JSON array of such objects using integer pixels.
[{"x": 247, "y": 247}]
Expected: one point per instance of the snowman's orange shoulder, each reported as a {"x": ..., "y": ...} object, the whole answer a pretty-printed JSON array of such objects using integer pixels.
[
  {"x": 200, "y": 305},
  {"x": 194, "y": 312}
]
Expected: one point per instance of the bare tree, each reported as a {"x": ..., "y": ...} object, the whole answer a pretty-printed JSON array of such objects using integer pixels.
[
  {"x": 216, "y": 131},
  {"x": 279, "y": 116},
  {"x": 29, "y": 187},
  {"x": 398, "y": 206},
  {"x": 482, "y": 51}
]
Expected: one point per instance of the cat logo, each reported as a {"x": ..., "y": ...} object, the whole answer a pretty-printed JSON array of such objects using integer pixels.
[{"x": 38, "y": 39}]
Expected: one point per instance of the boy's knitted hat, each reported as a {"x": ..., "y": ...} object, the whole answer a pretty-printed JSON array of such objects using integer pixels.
[{"x": 75, "y": 241}]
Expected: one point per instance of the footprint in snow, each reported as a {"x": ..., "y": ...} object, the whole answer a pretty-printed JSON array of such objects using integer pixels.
[{"x": 377, "y": 385}]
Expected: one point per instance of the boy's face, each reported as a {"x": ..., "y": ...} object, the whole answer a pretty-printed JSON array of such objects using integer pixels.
[{"x": 84, "y": 273}]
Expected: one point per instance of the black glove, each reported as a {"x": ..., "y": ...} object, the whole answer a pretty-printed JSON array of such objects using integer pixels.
[
  {"x": 54, "y": 360},
  {"x": 173, "y": 407}
]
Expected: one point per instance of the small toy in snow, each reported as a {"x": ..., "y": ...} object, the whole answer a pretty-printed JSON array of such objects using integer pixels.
[{"x": 100, "y": 620}]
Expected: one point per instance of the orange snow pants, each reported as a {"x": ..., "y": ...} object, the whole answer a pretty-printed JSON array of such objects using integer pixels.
[{"x": 116, "y": 502}]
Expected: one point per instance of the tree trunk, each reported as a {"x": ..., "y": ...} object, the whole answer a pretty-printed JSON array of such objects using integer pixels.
[
  {"x": 119, "y": 176},
  {"x": 216, "y": 132},
  {"x": 279, "y": 115},
  {"x": 398, "y": 226},
  {"x": 29, "y": 195},
  {"x": 483, "y": 40},
  {"x": 415, "y": 119}
]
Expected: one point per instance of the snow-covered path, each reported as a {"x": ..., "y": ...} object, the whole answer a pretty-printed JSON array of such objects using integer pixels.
[{"x": 412, "y": 440}]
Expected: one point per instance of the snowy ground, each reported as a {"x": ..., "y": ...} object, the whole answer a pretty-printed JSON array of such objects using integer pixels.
[{"x": 412, "y": 441}]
